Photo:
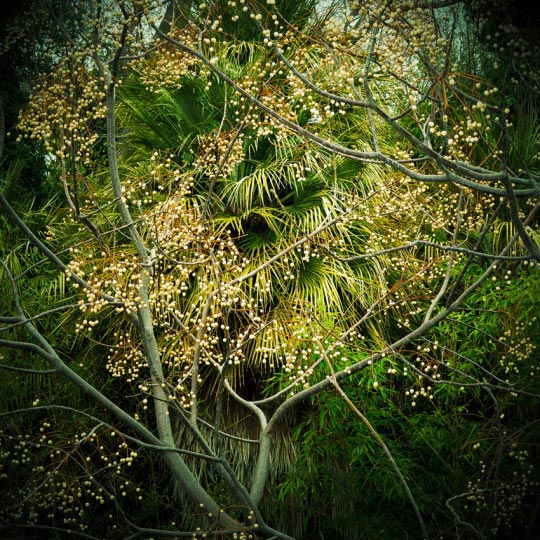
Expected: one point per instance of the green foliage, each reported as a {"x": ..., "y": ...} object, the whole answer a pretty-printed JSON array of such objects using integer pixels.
[
  {"x": 342, "y": 485},
  {"x": 222, "y": 189}
]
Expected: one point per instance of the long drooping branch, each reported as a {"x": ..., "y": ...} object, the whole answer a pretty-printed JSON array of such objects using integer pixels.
[
  {"x": 43, "y": 248},
  {"x": 450, "y": 171},
  {"x": 464, "y": 175}
]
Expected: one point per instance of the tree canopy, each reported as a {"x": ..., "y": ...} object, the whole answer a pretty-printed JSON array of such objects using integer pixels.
[{"x": 269, "y": 269}]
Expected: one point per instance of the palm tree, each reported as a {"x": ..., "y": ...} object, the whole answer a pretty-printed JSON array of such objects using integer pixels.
[{"x": 236, "y": 190}]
